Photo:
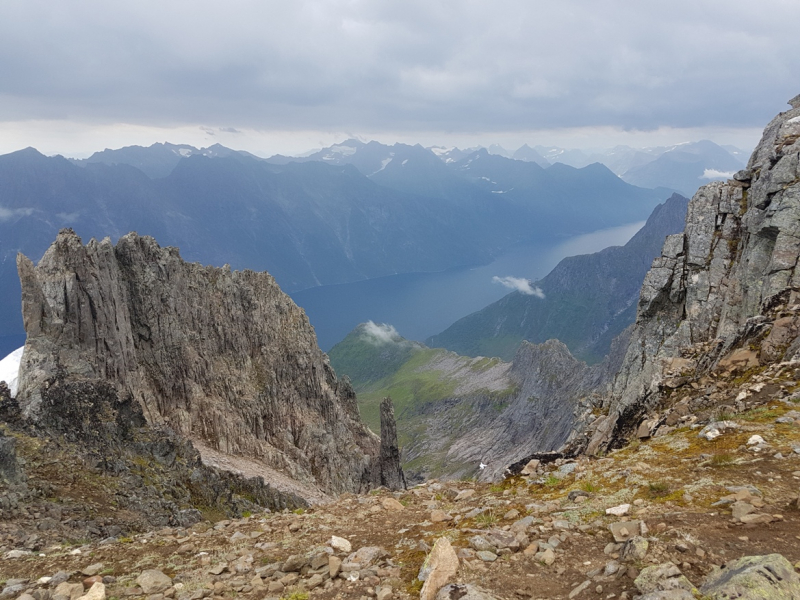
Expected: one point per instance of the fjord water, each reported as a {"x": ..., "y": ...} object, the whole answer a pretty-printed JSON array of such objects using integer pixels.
[{"x": 419, "y": 305}]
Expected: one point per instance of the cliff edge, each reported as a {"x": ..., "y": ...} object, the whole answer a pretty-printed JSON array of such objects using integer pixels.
[
  {"x": 221, "y": 357},
  {"x": 723, "y": 294}
]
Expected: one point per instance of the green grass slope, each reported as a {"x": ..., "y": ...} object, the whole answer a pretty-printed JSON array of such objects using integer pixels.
[{"x": 380, "y": 363}]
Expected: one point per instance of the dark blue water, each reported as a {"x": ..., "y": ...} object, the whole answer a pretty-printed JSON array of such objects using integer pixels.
[{"x": 423, "y": 304}]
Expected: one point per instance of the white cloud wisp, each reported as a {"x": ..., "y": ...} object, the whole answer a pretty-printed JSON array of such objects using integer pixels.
[{"x": 519, "y": 284}]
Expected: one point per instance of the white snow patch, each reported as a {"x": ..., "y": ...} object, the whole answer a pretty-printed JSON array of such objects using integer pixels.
[
  {"x": 346, "y": 150},
  {"x": 519, "y": 284},
  {"x": 185, "y": 152},
  {"x": 405, "y": 161},
  {"x": 794, "y": 120},
  {"x": 714, "y": 174},
  {"x": 9, "y": 370},
  {"x": 440, "y": 150},
  {"x": 384, "y": 162}
]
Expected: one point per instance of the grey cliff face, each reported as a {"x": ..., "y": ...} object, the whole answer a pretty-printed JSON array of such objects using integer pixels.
[
  {"x": 719, "y": 285},
  {"x": 222, "y": 357}
]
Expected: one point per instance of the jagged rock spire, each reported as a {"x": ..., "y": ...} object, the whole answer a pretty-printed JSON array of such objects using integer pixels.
[{"x": 391, "y": 473}]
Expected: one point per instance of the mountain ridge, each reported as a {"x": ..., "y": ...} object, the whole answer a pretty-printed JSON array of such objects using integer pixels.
[{"x": 587, "y": 301}]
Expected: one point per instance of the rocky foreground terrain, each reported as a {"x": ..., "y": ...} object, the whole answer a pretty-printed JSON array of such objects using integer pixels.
[{"x": 667, "y": 512}]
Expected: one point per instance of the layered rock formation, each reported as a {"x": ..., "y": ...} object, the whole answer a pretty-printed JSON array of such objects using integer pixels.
[
  {"x": 724, "y": 292},
  {"x": 222, "y": 357}
]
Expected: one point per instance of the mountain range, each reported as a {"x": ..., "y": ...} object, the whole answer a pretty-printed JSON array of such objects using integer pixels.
[{"x": 308, "y": 222}]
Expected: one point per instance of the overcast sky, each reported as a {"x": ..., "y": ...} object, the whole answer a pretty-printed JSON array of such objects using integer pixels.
[{"x": 288, "y": 76}]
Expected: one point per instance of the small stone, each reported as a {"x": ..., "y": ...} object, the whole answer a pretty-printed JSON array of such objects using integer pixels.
[
  {"x": 530, "y": 468},
  {"x": 392, "y": 505},
  {"x": 532, "y": 549},
  {"x": 334, "y": 566},
  {"x": 237, "y": 536},
  {"x": 73, "y": 591},
  {"x": 294, "y": 563},
  {"x": 486, "y": 555},
  {"x": 314, "y": 581},
  {"x": 662, "y": 578},
  {"x": 384, "y": 593},
  {"x": 579, "y": 589},
  {"x": 340, "y": 544},
  {"x": 464, "y": 592},
  {"x": 635, "y": 549},
  {"x": 522, "y": 525},
  {"x": 618, "y": 511},
  {"x": 511, "y": 514},
  {"x": 480, "y": 543},
  {"x": 740, "y": 508},
  {"x": 92, "y": 569},
  {"x": 464, "y": 495},
  {"x": 611, "y": 568},
  {"x": 275, "y": 587},
  {"x": 90, "y": 581},
  {"x": 443, "y": 564},
  {"x": 547, "y": 556},
  {"x": 622, "y": 530},
  {"x": 439, "y": 516},
  {"x": 153, "y": 581},
  {"x": 367, "y": 555},
  {"x": 96, "y": 592},
  {"x": 757, "y": 519}
]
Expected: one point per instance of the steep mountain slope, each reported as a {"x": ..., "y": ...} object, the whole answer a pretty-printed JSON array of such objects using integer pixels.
[
  {"x": 723, "y": 296},
  {"x": 224, "y": 358},
  {"x": 455, "y": 412},
  {"x": 588, "y": 300}
]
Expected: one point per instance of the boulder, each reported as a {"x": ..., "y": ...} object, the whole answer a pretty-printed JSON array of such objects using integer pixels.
[{"x": 769, "y": 577}]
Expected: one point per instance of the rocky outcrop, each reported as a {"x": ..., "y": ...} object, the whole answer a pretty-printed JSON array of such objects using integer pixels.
[
  {"x": 220, "y": 356},
  {"x": 723, "y": 293},
  {"x": 539, "y": 398},
  {"x": 391, "y": 474}
]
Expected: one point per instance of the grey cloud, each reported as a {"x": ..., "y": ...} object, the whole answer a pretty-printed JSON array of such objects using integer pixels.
[{"x": 415, "y": 65}]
